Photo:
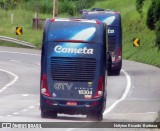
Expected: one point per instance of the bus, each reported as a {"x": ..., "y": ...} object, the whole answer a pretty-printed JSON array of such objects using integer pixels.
[
  {"x": 74, "y": 68},
  {"x": 113, "y": 20}
]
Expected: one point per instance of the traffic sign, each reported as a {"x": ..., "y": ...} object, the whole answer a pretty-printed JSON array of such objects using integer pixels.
[
  {"x": 136, "y": 42},
  {"x": 19, "y": 31}
]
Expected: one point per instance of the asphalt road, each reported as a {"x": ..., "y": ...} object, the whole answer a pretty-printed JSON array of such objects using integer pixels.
[{"x": 134, "y": 96}]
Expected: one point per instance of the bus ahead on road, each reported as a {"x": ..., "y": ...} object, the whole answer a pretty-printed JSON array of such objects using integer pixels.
[
  {"x": 73, "y": 68},
  {"x": 113, "y": 20}
]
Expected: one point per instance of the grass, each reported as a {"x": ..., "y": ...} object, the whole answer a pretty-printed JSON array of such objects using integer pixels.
[
  {"x": 22, "y": 18},
  {"x": 133, "y": 27}
]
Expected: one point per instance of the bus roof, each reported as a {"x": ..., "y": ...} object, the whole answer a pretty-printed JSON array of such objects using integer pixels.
[
  {"x": 74, "y": 30},
  {"x": 111, "y": 18},
  {"x": 74, "y": 20}
]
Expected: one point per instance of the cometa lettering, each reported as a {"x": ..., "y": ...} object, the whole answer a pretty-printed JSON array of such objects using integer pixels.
[{"x": 85, "y": 50}]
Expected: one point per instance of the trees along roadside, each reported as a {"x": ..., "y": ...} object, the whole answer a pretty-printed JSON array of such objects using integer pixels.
[{"x": 153, "y": 17}]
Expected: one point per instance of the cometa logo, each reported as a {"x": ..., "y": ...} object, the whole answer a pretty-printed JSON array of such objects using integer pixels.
[{"x": 85, "y": 50}]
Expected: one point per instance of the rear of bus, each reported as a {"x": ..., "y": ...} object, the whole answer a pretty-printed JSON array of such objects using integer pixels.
[
  {"x": 73, "y": 67},
  {"x": 113, "y": 20}
]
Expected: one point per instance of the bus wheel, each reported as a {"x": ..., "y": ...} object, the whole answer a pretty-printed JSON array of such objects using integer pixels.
[
  {"x": 109, "y": 66},
  {"x": 95, "y": 116},
  {"x": 117, "y": 72},
  {"x": 45, "y": 114}
]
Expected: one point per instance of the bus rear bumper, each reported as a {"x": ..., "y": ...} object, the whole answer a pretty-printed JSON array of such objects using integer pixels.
[{"x": 60, "y": 106}]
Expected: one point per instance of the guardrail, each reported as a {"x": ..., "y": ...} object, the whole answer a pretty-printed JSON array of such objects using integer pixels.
[{"x": 9, "y": 39}]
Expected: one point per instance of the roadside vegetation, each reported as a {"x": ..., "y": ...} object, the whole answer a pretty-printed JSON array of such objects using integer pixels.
[{"x": 134, "y": 24}]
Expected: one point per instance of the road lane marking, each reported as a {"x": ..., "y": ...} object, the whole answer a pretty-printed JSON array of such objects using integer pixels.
[
  {"x": 70, "y": 129},
  {"x": 31, "y": 107},
  {"x": 4, "y": 88},
  {"x": 124, "y": 94},
  {"x": 8, "y": 115},
  {"x": 15, "y": 61},
  {"x": 19, "y": 53},
  {"x": 16, "y": 113},
  {"x": 24, "y": 110},
  {"x": 142, "y": 113},
  {"x": 25, "y": 95},
  {"x": 12, "y": 82}
]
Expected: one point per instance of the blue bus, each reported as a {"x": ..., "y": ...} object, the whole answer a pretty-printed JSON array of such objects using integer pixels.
[
  {"x": 73, "y": 68},
  {"x": 113, "y": 20}
]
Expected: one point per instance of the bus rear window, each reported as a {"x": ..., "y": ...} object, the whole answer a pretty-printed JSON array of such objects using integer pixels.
[{"x": 76, "y": 31}]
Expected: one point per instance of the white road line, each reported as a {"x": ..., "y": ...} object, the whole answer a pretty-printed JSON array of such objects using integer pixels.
[
  {"x": 15, "y": 61},
  {"x": 8, "y": 115},
  {"x": 124, "y": 94},
  {"x": 25, "y": 95},
  {"x": 12, "y": 82},
  {"x": 142, "y": 113},
  {"x": 70, "y": 129},
  {"x": 19, "y": 53},
  {"x": 24, "y": 110},
  {"x": 16, "y": 113},
  {"x": 4, "y": 88},
  {"x": 31, "y": 107}
]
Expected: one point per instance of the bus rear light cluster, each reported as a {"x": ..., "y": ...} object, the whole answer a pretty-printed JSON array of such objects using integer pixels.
[
  {"x": 98, "y": 22},
  {"x": 44, "y": 86},
  {"x": 99, "y": 91},
  {"x": 52, "y": 20},
  {"x": 119, "y": 55}
]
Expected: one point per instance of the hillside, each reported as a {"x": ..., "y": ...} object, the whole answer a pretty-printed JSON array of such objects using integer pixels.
[{"x": 133, "y": 27}]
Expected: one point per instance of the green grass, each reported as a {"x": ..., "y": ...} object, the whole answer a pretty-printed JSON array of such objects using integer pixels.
[
  {"x": 21, "y": 18},
  {"x": 133, "y": 27}
]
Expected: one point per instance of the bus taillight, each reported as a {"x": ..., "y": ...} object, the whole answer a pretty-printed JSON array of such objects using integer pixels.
[
  {"x": 99, "y": 91},
  {"x": 119, "y": 55},
  {"x": 44, "y": 86}
]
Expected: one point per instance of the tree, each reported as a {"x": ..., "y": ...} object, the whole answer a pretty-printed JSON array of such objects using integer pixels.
[
  {"x": 9, "y": 4},
  {"x": 139, "y": 5},
  {"x": 153, "y": 17}
]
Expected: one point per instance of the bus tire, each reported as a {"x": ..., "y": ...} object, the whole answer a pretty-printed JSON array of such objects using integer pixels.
[
  {"x": 117, "y": 72},
  {"x": 95, "y": 116},
  {"x": 109, "y": 66},
  {"x": 49, "y": 114},
  {"x": 44, "y": 114}
]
